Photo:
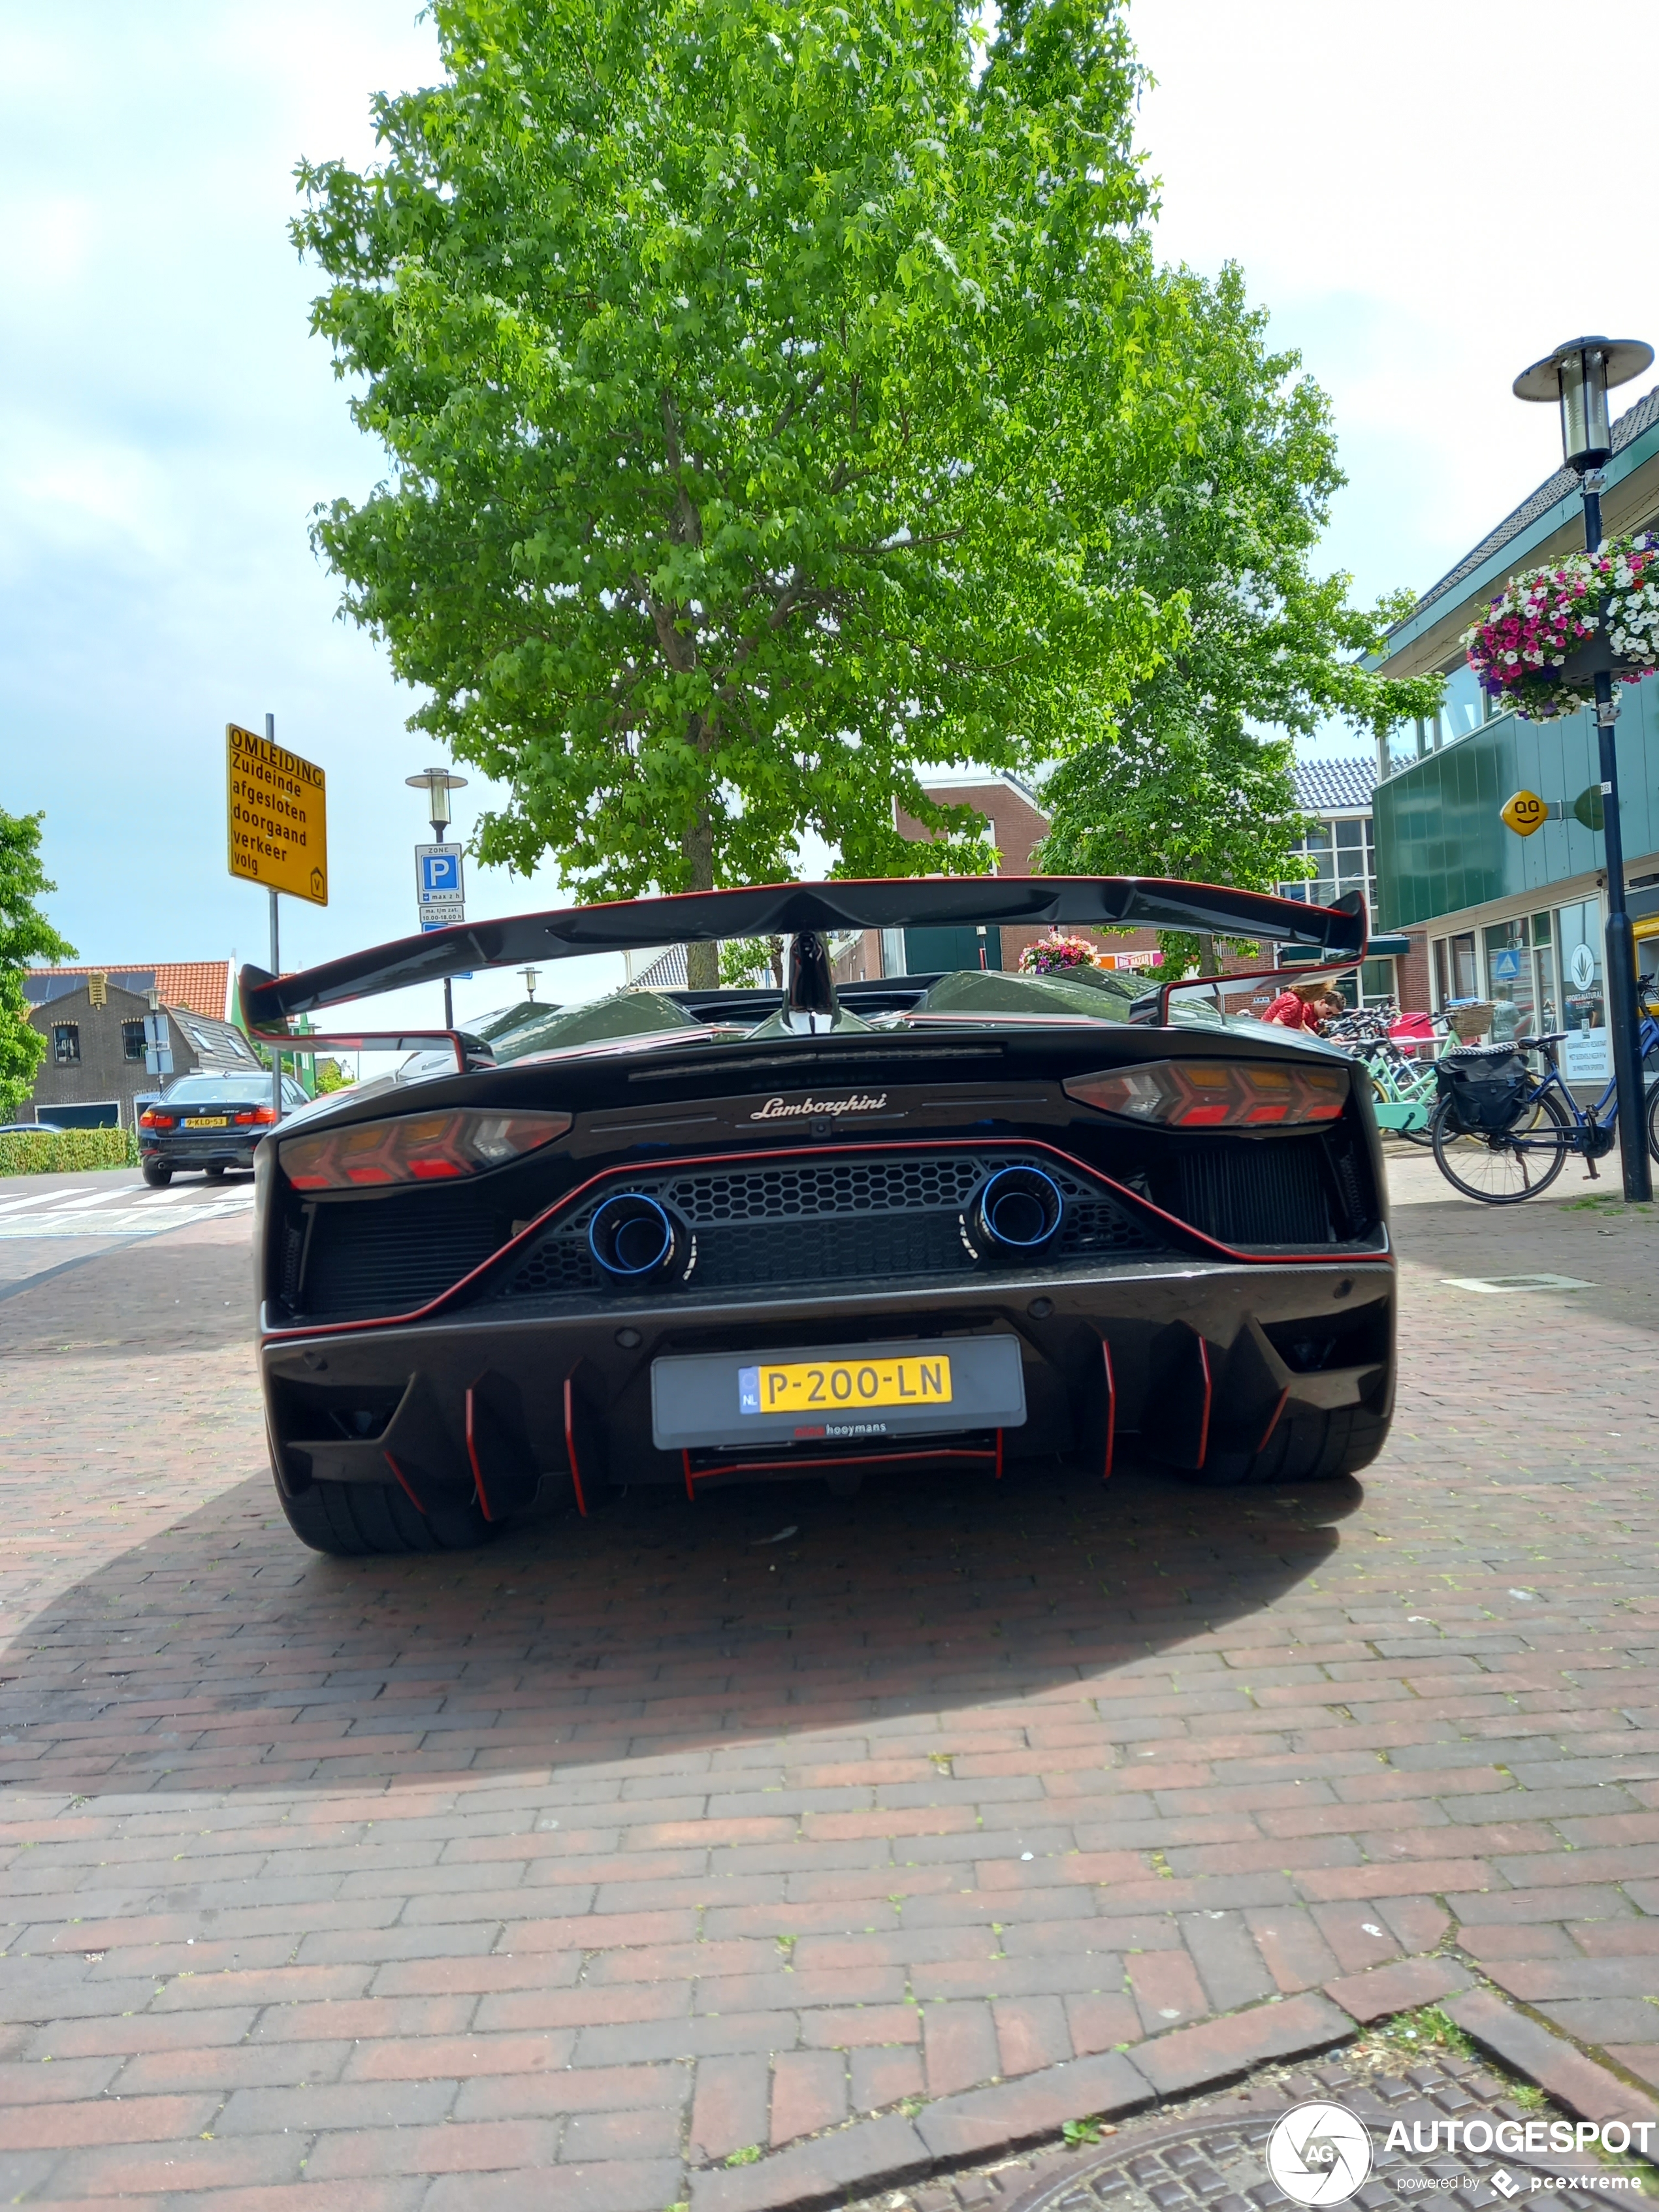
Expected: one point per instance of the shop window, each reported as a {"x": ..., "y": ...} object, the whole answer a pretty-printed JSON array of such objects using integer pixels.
[
  {"x": 1511, "y": 982},
  {"x": 1456, "y": 974},
  {"x": 66, "y": 1044},
  {"x": 1579, "y": 950},
  {"x": 1377, "y": 984},
  {"x": 132, "y": 1040}
]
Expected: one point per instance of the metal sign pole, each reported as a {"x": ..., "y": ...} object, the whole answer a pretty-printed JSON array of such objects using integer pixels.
[
  {"x": 1623, "y": 1004},
  {"x": 275, "y": 961}
]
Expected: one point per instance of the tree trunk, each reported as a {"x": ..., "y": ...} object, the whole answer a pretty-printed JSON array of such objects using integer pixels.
[
  {"x": 702, "y": 962},
  {"x": 1207, "y": 962}
]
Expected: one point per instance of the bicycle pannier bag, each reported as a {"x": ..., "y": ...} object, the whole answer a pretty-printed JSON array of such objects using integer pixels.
[{"x": 1487, "y": 1086}]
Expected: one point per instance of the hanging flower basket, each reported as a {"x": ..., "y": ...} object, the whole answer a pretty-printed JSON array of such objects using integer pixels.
[
  {"x": 1630, "y": 571},
  {"x": 1519, "y": 647},
  {"x": 1536, "y": 646},
  {"x": 1052, "y": 956}
]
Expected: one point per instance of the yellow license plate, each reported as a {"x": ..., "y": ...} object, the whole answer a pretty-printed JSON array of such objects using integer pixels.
[
  {"x": 838, "y": 1385},
  {"x": 210, "y": 1121}
]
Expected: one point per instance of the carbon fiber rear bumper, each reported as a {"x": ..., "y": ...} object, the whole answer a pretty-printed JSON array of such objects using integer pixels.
[{"x": 1198, "y": 1359}]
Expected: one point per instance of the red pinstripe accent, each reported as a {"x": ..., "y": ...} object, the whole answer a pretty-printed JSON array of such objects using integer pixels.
[
  {"x": 1273, "y": 1419},
  {"x": 998, "y": 1455},
  {"x": 570, "y": 1447},
  {"x": 1204, "y": 1427},
  {"x": 852, "y": 1459},
  {"x": 690, "y": 1486},
  {"x": 473, "y": 1454},
  {"x": 1111, "y": 1412},
  {"x": 403, "y": 1481},
  {"x": 1129, "y": 1199}
]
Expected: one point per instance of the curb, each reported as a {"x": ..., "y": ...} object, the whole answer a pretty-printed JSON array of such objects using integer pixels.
[{"x": 952, "y": 2133}]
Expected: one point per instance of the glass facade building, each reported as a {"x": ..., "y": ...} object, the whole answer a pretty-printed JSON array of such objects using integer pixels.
[{"x": 1514, "y": 925}]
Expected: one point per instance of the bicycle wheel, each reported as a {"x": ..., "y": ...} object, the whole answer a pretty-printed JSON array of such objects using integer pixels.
[
  {"x": 1424, "y": 1136},
  {"x": 1503, "y": 1170},
  {"x": 1653, "y": 1119}
]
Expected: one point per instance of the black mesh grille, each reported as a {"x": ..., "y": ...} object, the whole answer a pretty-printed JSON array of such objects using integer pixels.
[
  {"x": 1268, "y": 1193},
  {"x": 827, "y": 1220},
  {"x": 390, "y": 1255}
]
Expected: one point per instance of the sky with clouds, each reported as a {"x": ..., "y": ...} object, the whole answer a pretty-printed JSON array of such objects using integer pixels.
[{"x": 1405, "y": 187}]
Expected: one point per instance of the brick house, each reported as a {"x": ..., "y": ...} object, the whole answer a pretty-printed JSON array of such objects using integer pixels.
[
  {"x": 1015, "y": 824},
  {"x": 93, "y": 1021}
]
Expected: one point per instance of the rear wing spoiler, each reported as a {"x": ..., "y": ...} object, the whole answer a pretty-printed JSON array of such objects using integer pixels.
[{"x": 785, "y": 910}]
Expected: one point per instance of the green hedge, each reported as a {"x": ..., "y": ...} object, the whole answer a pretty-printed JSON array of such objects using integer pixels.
[{"x": 67, "y": 1151}]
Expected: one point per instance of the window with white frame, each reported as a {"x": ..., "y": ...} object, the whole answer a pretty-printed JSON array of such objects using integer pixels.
[{"x": 1340, "y": 853}]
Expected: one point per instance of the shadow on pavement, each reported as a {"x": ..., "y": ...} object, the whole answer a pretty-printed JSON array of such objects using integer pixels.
[{"x": 219, "y": 1655}]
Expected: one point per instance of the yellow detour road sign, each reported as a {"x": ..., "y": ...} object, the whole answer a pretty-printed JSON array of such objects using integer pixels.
[
  {"x": 1524, "y": 813},
  {"x": 277, "y": 816}
]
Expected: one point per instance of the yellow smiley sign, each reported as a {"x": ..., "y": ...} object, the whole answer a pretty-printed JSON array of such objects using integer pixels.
[{"x": 1524, "y": 813}]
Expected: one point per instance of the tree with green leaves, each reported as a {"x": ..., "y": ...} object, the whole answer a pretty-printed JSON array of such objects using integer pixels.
[
  {"x": 26, "y": 936},
  {"x": 1194, "y": 775},
  {"x": 765, "y": 383}
]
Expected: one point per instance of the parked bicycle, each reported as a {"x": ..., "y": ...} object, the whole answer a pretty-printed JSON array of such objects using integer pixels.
[
  {"x": 1502, "y": 1135},
  {"x": 1403, "y": 1090}
]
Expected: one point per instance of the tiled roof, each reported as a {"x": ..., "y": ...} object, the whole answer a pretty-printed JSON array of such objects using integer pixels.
[
  {"x": 202, "y": 985},
  {"x": 1335, "y": 786},
  {"x": 1630, "y": 425},
  {"x": 668, "y": 972}
]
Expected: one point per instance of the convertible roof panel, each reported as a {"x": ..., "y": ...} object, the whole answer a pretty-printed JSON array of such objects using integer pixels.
[{"x": 782, "y": 910}]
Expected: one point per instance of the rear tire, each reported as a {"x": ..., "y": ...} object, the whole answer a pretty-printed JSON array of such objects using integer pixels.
[
  {"x": 156, "y": 1177},
  {"x": 1313, "y": 1445},
  {"x": 1308, "y": 1444},
  {"x": 350, "y": 1520}
]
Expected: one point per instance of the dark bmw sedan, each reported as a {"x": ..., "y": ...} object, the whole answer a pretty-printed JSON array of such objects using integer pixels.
[{"x": 209, "y": 1123}]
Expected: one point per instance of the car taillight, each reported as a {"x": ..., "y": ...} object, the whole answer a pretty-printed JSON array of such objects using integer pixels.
[
  {"x": 149, "y": 1119},
  {"x": 252, "y": 1114},
  {"x": 415, "y": 1148},
  {"x": 1201, "y": 1094}
]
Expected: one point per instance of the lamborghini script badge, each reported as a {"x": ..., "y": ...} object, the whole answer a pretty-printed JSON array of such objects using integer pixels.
[{"x": 813, "y": 1109}]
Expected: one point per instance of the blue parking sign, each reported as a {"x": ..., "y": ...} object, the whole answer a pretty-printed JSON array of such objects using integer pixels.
[{"x": 441, "y": 892}]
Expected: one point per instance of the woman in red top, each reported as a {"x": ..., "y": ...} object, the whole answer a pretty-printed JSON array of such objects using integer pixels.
[{"x": 1302, "y": 1005}]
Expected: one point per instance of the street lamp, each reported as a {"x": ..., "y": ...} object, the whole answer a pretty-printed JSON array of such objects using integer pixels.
[
  {"x": 438, "y": 783},
  {"x": 1579, "y": 375},
  {"x": 531, "y": 977}
]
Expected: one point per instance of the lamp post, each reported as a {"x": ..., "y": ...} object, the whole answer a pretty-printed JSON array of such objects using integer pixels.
[
  {"x": 1578, "y": 376},
  {"x": 438, "y": 783}
]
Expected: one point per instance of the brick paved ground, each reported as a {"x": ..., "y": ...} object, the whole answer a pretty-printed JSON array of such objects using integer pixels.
[
  {"x": 634, "y": 1844},
  {"x": 1204, "y": 2154}
]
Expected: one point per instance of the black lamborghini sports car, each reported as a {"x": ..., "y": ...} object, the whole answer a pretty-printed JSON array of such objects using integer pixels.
[{"x": 702, "y": 1237}]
